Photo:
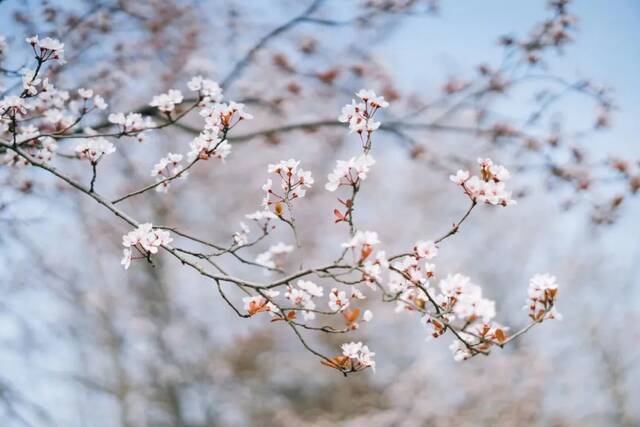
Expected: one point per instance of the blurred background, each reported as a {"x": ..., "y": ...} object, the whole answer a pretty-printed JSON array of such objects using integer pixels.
[{"x": 548, "y": 90}]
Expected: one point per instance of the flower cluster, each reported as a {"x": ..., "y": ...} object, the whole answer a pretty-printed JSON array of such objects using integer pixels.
[
  {"x": 132, "y": 123},
  {"x": 41, "y": 149},
  {"x": 219, "y": 118},
  {"x": 222, "y": 117},
  {"x": 94, "y": 149},
  {"x": 457, "y": 304},
  {"x": 166, "y": 102},
  {"x": 168, "y": 167},
  {"x": 294, "y": 182},
  {"x": 363, "y": 240},
  {"x": 261, "y": 215},
  {"x": 543, "y": 290},
  {"x": 241, "y": 238},
  {"x": 453, "y": 304},
  {"x": 98, "y": 101},
  {"x": 47, "y": 48},
  {"x": 302, "y": 297},
  {"x": 359, "y": 115},
  {"x": 208, "y": 90},
  {"x": 349, "y": 172},
  {"x": 52, "y": 98},
  {"x": 338, "y": 300},
  {"x": 262, "y": 219},
  {"x": 30, "y": 82},
  {"x": 258, "y": 304},
  {"x": 14, "y": 106},
  {"x": 145, "y": 240},
  {"x": 209, "y": 144},
  {"x": 372, "y": 269},
  {"x": 463, "y": 300},
  {"x": 355, "y": 357},
  {"x": 489, "y": 187},
  {"x": 425, "y": 249}
]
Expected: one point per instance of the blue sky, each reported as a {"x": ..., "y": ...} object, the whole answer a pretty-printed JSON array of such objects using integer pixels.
[{"x": 606, "y": 50}]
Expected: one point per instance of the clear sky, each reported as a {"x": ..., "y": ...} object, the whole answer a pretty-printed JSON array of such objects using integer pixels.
[{"x": 606, "y": 50}]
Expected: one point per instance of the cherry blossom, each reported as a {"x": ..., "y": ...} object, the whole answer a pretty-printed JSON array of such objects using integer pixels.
[
  {"x": 145, "y": 240},
  {"x": 14, "y": 106},
  {"x": 207, "y": 145},
  {"x": 359, "y": 355},
  {"x": 349, "y": 172},
  {"x": 208, "y": 89},
  {"x": 259, "y": 304},
  {"x": 166, "y": 102},
  {"x": 132, "y": 122},
  {"x": 460, "y": 350},
  {"x": 241, "y": 237},
  {"x": 460, "y": 177},
  {"x": 373, "y": 269},
  {"x": 365, "y": 240},
  {"x": 368, "y": 238},
  {"x": 168, "y": 167},
  {"x": 294, "y": 182},
  {"x": 542, "y": 293},
  {"x": 455, "y": 304},
  {"x": 427, "y": 250},
  {"x": 94, "y": 149},
  {"x": 261, "y": 214},
  {"x": 311, "y": 288},
  {"x": 47, "y": 48},
  {"x": 359, "y": 115},
  {"x": 99, "y": 102},
  {"x": 302, "y": 297},
  {"x": 489, "y": 187},
  {"x": 220, "y": 116},
  {"x": 30, "y": 82},
  {"x": 370, "y": 97},
  {"x": 338, "y": 300}
]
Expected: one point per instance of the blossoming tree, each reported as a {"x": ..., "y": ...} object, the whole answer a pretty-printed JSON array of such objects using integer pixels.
[
  {"x": 81, "y": 133},
  {"x": 455, "y": 305}
]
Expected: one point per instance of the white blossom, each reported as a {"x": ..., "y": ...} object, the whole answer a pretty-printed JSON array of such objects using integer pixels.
[
  {"x": 241, "y": 237},
  {"x": 359, "y": 115},
  {"x": 349, "y": 172},
  {"x": 85, "y": 93},
  {"x": 542, "y": 292},
  {"x": 426, "y": 249},
  {"x": 359, "y": 355},
  {"x": 311, "y": 288},
  {"x": 362, "y": 238},
  {"x": 94, "y": 149},
  {"x": 489, "y": 187},
  {"x": 14, "y": 105},
  {"x": 294, "y": 182},
  {"x": 99, "y": 102},
  {"x": 210, "y": 90},
  {"x": 168, "y": 167},
  {"x": 207, "y": 145},
  {"x": 47, "y": 48},
  {"x": 338, "y": 300},
  {"x": 132, "y": 122},
  {"x": 166, "y": 102},
  {"x": 144, "y": 239}
]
